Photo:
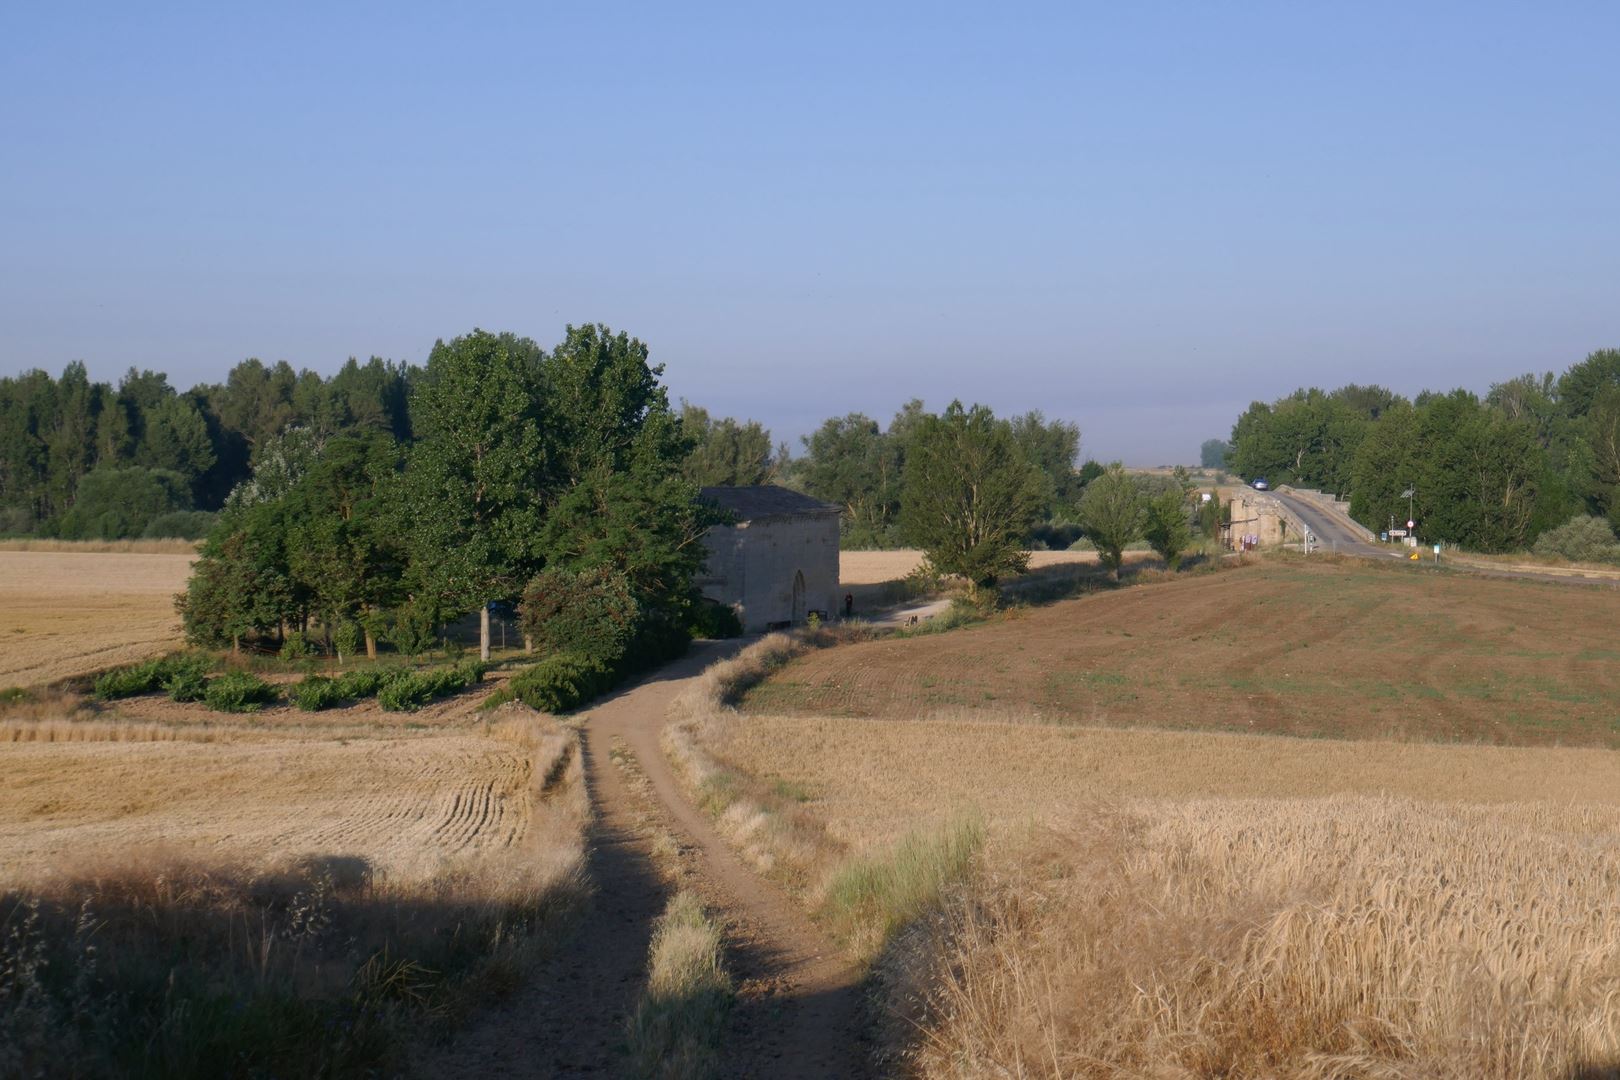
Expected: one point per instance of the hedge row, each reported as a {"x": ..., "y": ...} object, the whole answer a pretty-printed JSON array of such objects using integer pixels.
[
  {"x": 151, "y": 675},
  {"x": 318, "y": 692},
  {"x": 238, "y": 691},
  {"x": 408, "y": 691}
]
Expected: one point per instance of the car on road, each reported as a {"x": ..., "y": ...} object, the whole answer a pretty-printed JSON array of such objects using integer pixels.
[{"x": 1261, "y": 485}]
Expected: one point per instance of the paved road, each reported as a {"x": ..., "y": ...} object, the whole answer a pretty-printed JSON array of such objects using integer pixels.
[{"x": 1333, "y": 529}]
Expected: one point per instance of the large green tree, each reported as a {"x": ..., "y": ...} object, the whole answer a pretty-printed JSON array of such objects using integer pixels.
[
  {"x": 478, "y": 477},
  {"x": 1111, "y": 512},
  {"x": 971, "y": 494},
  {"x": 726, "y": 453},
  {"x": 849, "y": 460}
]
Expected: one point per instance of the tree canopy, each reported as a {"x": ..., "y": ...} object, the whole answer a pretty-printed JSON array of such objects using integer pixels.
[{"x": 970, "y": 494}]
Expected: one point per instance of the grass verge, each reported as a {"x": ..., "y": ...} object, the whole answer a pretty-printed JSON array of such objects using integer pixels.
[{"x": 676, "y": 1030}]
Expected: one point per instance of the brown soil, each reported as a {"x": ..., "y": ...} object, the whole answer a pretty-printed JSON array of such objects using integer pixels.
[
  {"x": 799, "y": 1008},
  {"x": 1323, "y": 648}
]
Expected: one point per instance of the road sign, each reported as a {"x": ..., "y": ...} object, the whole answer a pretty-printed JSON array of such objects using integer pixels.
[
  {"x": 1397, "y": 532},
  {"x": 1411, "y": 524}
]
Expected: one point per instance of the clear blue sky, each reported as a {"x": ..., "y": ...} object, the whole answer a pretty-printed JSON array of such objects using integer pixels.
[{"x": 1136, "y": 216}]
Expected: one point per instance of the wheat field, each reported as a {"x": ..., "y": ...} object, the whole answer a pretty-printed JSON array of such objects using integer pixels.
[
  {"x": 1184, "y": 904},
  {"x": 73, "y": 612}
]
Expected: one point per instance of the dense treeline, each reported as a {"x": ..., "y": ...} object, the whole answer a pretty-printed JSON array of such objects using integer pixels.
[
  {"x": 856, "y": 462},
  {"x": 520, "y": 460},
  {"x": 1491, "y": 473},
  {"x": 83, "y": 459}
]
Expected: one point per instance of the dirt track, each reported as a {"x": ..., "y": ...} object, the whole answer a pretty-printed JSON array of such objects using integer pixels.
[{"x": 798, "y": 1012}]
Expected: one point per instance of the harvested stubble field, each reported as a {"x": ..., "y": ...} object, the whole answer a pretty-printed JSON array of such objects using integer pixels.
[
  {"x": 67, "y": 613},
  {"x": 308, "y": 894},
  {"x": 407, "y": 800},
  {"x": 877, "y": 567},
  {"x": 1215, "y": 904},
  {"x": 1318, "y": 648}
]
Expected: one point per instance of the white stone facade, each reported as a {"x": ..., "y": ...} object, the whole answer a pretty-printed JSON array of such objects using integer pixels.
[{"x": 778, "y": 562}]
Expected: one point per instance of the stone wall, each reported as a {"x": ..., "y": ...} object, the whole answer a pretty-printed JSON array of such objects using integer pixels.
[
  {"x": 1255, "y": 515},
  {"x": 753, "y": 566}
]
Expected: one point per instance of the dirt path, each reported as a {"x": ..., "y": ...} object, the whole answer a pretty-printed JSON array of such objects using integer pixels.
[{"x": 799, "y": 1007}]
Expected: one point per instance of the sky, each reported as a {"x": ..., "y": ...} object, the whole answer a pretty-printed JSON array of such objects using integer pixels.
[{"x": 1138, "y": 217}]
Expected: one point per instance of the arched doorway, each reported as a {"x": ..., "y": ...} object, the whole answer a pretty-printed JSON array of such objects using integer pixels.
[{"x": 798, "y": 597}]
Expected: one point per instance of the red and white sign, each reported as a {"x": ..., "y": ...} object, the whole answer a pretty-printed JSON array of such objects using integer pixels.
[{"x": 1411, "y": 524}]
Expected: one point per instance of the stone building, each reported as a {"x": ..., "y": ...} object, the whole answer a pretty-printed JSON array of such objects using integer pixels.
[{"x": 778, "y": 561}]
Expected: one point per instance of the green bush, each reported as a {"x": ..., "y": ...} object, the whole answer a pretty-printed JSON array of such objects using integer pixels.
[
  {"x": 238, "y": 691},
  {"x": 590, "y": 611},
  {"x": 712, "y": 620},
  {"x": 1580, "y": 539},
  {"x": 365, "y": 682},
  {"x": 414, "y": 627},
  {"x": 318, "y": 692},
  {"x": 315, "y": 693},
  {"x": 408, "y": 691},
  {"x": 180, "y": 525},
  {"x": 188, "y": 678},
  {"x": 296, "y": 645},
  {"x": 561, "y": 682},
  {"x": 150, "y": 675}
]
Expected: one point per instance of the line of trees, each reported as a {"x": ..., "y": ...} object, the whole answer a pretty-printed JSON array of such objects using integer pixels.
[
  {"x": 82, "y": 459},
  {"x": 1491, "y": 473},
  {"x": 522, "y": 459}
]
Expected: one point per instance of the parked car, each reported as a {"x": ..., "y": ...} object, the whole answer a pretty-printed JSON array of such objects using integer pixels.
[{"x": 1261, "y": 485}]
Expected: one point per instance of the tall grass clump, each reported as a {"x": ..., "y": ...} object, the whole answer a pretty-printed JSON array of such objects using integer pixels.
[
  {"x": 871, "y": 897},
  {"x": 676, "y": 1029},
  {"x": 1345, "y": 937}
]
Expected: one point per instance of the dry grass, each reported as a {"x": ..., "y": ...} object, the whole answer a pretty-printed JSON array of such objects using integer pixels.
[
  {"x": 67, "y": 612},
  {"x": 280, "y": 903},
  {"x": 877, "y": 567},
  {"x": 105, "y": 547},
  {"x": 79, "y": 792},
  {"x": 680, "y": 1018},
  {"x": 1367, "y": 937},
  {"x": 1172, "y": 903}
]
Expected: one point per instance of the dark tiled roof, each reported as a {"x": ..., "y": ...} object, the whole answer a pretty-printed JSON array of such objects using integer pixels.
[{"x": 765, "y": 500}]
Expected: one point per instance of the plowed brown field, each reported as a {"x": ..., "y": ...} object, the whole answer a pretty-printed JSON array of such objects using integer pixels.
[
  {"x": 1322, "y": 648},
  {"x": 66, "y": 613}
]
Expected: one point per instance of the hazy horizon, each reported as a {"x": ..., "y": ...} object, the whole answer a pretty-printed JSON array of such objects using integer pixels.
[{"x": 1138, "y": 220}]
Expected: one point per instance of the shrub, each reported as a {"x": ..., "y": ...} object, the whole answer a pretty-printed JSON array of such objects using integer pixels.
[
  {"x": 179, "y": 525},
  {"x": 561, "y": 682},
  {"x": 318, "y": 692},
  {"x": 408, "y": 691},
  {"x": 1580, "y": 539},
  {"x": 315, "y": 693},
  {"x": 188, "y": 678},
  {"x": 365, "y": 682},
  {"x": 150, "y": 675},
  {"x": 296, "y": 645},
  {"x": 413, "y": 628},
  {"x": 589, "y": 611},
  {"x": 712, "y": 620},
  {"x": 238, "y": 691}
]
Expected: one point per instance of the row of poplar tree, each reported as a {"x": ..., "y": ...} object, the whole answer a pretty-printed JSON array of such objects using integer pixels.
[{"x": 1490, "y": 474}]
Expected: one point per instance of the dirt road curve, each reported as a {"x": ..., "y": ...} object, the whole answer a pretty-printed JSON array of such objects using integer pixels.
[{"x": 798, "y": 1012}]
